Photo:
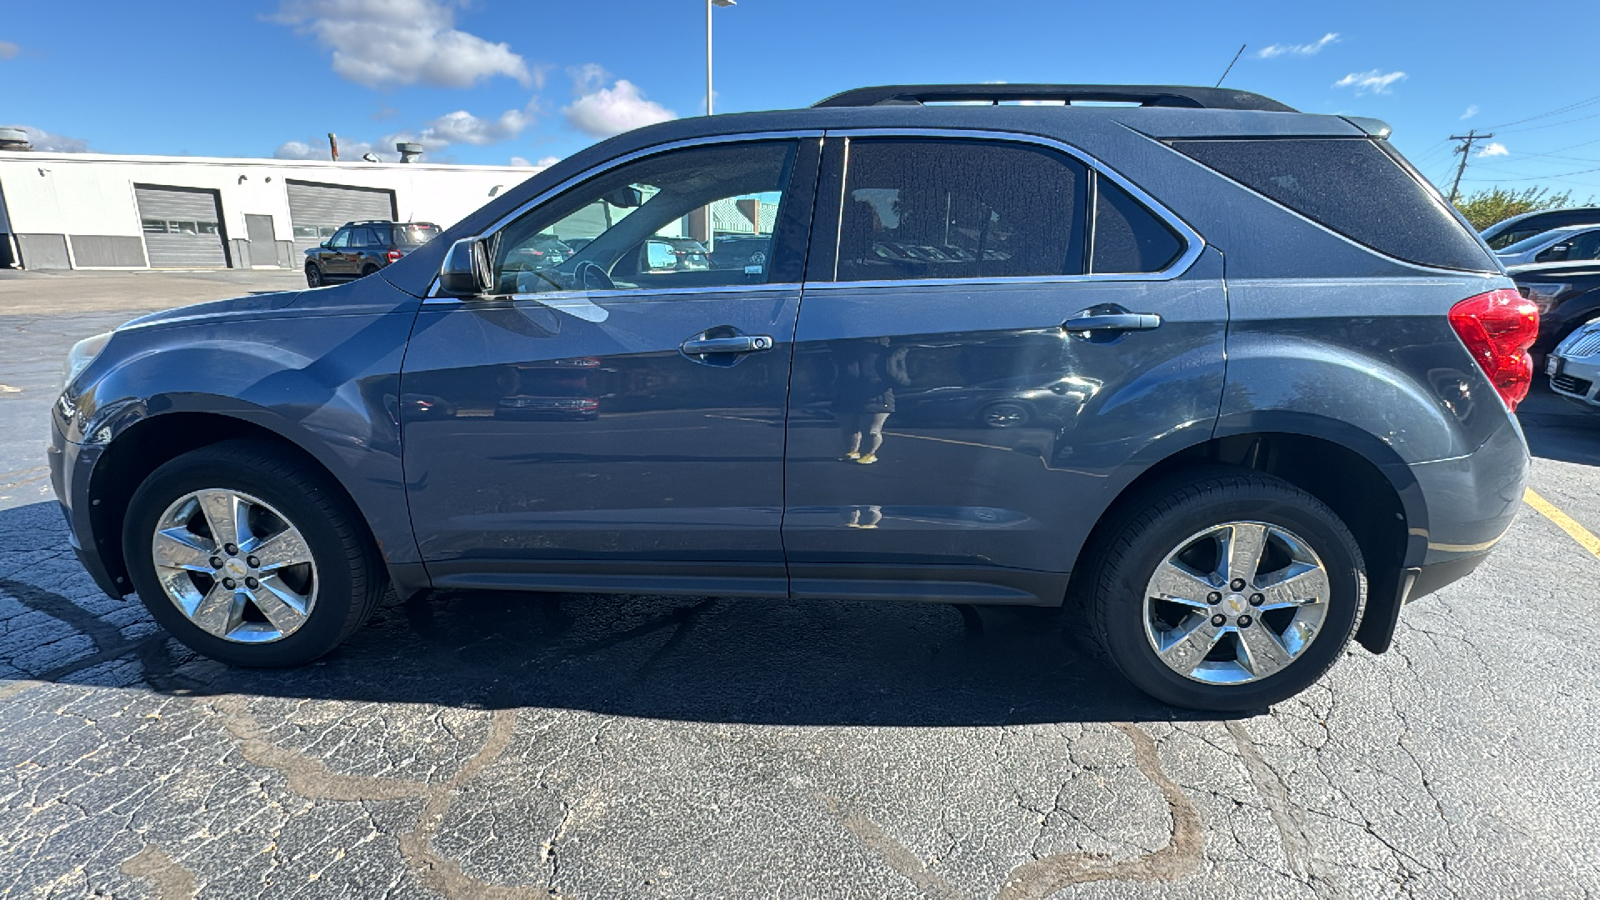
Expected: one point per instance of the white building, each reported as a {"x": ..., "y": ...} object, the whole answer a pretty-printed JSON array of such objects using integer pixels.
[{"x": 97, "y": 211}]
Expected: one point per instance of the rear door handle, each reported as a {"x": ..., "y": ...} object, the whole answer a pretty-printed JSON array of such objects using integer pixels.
[
  {"x": 743, "y": 343},
  {"x": 1102, "y": 322}
]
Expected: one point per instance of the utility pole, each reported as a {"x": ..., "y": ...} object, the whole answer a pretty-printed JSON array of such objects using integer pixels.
[{"x": 1465, "y": 150}]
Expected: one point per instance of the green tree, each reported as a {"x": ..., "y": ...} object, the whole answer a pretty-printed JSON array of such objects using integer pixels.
[{"x": 1485, "y": 207}]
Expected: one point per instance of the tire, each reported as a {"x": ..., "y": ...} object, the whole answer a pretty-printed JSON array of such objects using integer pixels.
[
  {"x": 314, "y": 276},
  {"x": 1262, "y": 654},
  {"x": 368, "y": 270},
  {"x": 336, "y": 588}
]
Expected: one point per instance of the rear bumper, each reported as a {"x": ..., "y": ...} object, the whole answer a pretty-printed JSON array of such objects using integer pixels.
[{"x": 1470, "y": 501}]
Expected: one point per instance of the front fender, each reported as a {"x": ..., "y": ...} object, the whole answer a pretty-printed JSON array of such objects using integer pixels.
[{"x": 328, "y": 384}]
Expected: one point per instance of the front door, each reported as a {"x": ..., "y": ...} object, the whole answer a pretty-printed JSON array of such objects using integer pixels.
[
  {"x": 603, "y": 423},
  {"x": 335, "y": 258},
  {"x": 973, "y": 370}
]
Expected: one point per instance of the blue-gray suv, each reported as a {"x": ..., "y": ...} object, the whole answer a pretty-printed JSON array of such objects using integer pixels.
[{"x": 1231, "y": 382}]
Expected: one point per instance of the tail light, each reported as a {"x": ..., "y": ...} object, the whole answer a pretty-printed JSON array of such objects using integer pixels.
[
  {"x": 1498, "y": 328},
  {"x": 393, "y": 255}
]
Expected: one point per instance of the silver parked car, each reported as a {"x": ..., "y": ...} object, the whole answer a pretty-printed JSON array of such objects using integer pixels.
[
  {"x": 1574, "y": 367},
  {"x": 1570, "y": 244}
]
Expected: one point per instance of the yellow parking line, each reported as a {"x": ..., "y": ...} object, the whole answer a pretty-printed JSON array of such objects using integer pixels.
[{"x": 1582, "y": 535}]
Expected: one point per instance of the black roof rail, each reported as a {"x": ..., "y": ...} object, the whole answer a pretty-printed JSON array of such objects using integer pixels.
[{"x": 1142, "y": 94}]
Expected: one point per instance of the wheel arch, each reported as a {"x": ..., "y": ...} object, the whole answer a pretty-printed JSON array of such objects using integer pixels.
[
  {"x": 1362, "y": 480},
  {"x": 148, "y": 443}
]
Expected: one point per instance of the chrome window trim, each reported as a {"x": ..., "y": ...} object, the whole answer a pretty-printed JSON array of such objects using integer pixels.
[
  {"x": 1194, "y": 243},
  {"x": 733, "y": 138}
]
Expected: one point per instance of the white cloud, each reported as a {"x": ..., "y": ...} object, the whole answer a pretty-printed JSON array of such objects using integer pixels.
[
  {"x": 1495, "y": 149},
  {"x": 9, "y": 50},
  {"x": 604, "y": 111},
  {"x": 1471, "y": 111},
  {"x": 462, "y": 127},
  {"x": 52, "y": 143},
  {"x": 1375, "y": 81},
  {"x": 379, "y": 43},
  {"x": 349, "y": 150},
  {"x": 459, "y": 127},
  {"x": 1312, "y": 49},
  {"x": 544, "y": 162}
]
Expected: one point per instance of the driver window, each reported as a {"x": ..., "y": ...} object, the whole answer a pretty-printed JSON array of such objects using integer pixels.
[
  {"x": 698, "y": 217},
  {"x": 341, "y": 239}
]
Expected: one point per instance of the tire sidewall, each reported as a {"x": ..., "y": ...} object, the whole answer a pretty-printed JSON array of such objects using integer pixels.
[
  {"x": 307, "y": 511},
  {"x": 314, "y": 276},
  {"x": 1123, "y": 624}
]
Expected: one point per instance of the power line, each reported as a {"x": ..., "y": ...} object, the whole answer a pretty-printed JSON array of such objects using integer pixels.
[{"x": 1554, "y": 112}]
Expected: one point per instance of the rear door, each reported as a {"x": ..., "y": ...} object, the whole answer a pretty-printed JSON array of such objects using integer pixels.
[
  {"x": 587, "y": 428},
  {"x": 992, "y": 333}
]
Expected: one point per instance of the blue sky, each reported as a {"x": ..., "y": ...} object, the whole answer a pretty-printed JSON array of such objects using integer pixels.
[{"x": 487, "y": 81}]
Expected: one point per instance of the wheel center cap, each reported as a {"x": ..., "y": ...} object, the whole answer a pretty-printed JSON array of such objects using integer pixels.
[
  {"x": 1236, "y": 603},
  {"x": 236, "y": 568}
]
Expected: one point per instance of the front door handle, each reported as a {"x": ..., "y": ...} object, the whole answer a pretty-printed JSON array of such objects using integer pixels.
[
  {"x": 1103, "y": 322},
  {"x": 743, "y": 343}
]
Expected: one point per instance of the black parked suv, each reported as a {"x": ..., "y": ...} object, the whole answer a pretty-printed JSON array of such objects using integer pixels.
[
  {"x": 358, "y": 249},
  {"x": 1268, "y": 377},
  {"x": 1567, "y": 294}
]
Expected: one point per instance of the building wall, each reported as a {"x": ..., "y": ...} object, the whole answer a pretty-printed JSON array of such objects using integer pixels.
[{"x": 54, "y": 201}]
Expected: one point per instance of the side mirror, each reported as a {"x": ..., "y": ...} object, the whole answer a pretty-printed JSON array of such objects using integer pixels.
[
  {"x": 326, "y": 245},
  {"x": 465, "y": 271},
  {"x": 626, "y": 197}
]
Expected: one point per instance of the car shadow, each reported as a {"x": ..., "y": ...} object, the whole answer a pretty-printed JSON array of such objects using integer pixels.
[
  {"x": 698, "y": 659},
  {"x": 1560, "y": 429}
]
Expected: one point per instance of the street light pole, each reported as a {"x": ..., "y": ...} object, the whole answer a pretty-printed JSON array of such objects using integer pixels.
[
  {"x": 710, "y": 225},
  {"x": 709, "y": 4}
]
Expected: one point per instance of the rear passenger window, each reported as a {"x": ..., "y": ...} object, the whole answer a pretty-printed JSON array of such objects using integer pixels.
[
  {"x": 1352, "y": 186},
  {"x": 1128, "y": 237},
  {"x": 959, "y": 209}
]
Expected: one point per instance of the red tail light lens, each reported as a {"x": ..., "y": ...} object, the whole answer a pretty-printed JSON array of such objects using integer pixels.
[
  {"x": 1498, "y": 328},
  {"x": 393, "y": 255}
]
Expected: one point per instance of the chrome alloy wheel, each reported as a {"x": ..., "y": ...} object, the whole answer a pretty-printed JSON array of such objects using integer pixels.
[
  {"x": 234, "y": 566},
  {"x": 1236, "y": 603}
]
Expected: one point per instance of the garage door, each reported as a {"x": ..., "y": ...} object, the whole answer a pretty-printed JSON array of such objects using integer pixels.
[
  {"x": 317, "y": 210},
  {"x": 181, "y": 227}
]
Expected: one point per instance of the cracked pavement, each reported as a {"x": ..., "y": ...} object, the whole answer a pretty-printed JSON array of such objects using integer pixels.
[{"x": 472, "y": 745}]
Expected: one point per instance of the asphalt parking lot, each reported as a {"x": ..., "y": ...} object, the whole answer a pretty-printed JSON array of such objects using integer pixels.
[{"x": 590, "y": 746}]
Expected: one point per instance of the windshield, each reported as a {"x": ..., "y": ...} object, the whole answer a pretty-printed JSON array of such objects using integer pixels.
[
  {"x": 1527, "y": 244},
  {"x": 415, "y": 234}
]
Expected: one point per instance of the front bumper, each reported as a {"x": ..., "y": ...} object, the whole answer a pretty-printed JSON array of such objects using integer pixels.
[
  {"x": 1579, "y": 379},
  {"x": 71, "y": 469}
]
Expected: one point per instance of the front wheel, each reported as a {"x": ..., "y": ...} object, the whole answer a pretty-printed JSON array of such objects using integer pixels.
[
  {"x": 248, "y": 558},
  {"x": 1227, "y": 591},
  {"x": 314, "y": 275}
]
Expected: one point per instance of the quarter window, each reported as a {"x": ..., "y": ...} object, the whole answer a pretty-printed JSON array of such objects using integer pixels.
[
  {"x": 937, "y": 208},
  {"x": 657, "y": 223},
  {"x": 1127, "y": 236}
]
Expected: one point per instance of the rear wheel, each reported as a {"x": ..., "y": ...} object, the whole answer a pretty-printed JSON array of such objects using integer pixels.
[
  {"x": 1226, "y": 591},
  {"x": 314, "y": 275},
  {"x": 248, "y": 558},
  {"x": 368, "y": 270}
]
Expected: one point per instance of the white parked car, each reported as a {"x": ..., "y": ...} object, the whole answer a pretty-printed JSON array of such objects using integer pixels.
[
  {"x": 1569, "y": 244},
  {"x": 1574, "y": 366}
]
